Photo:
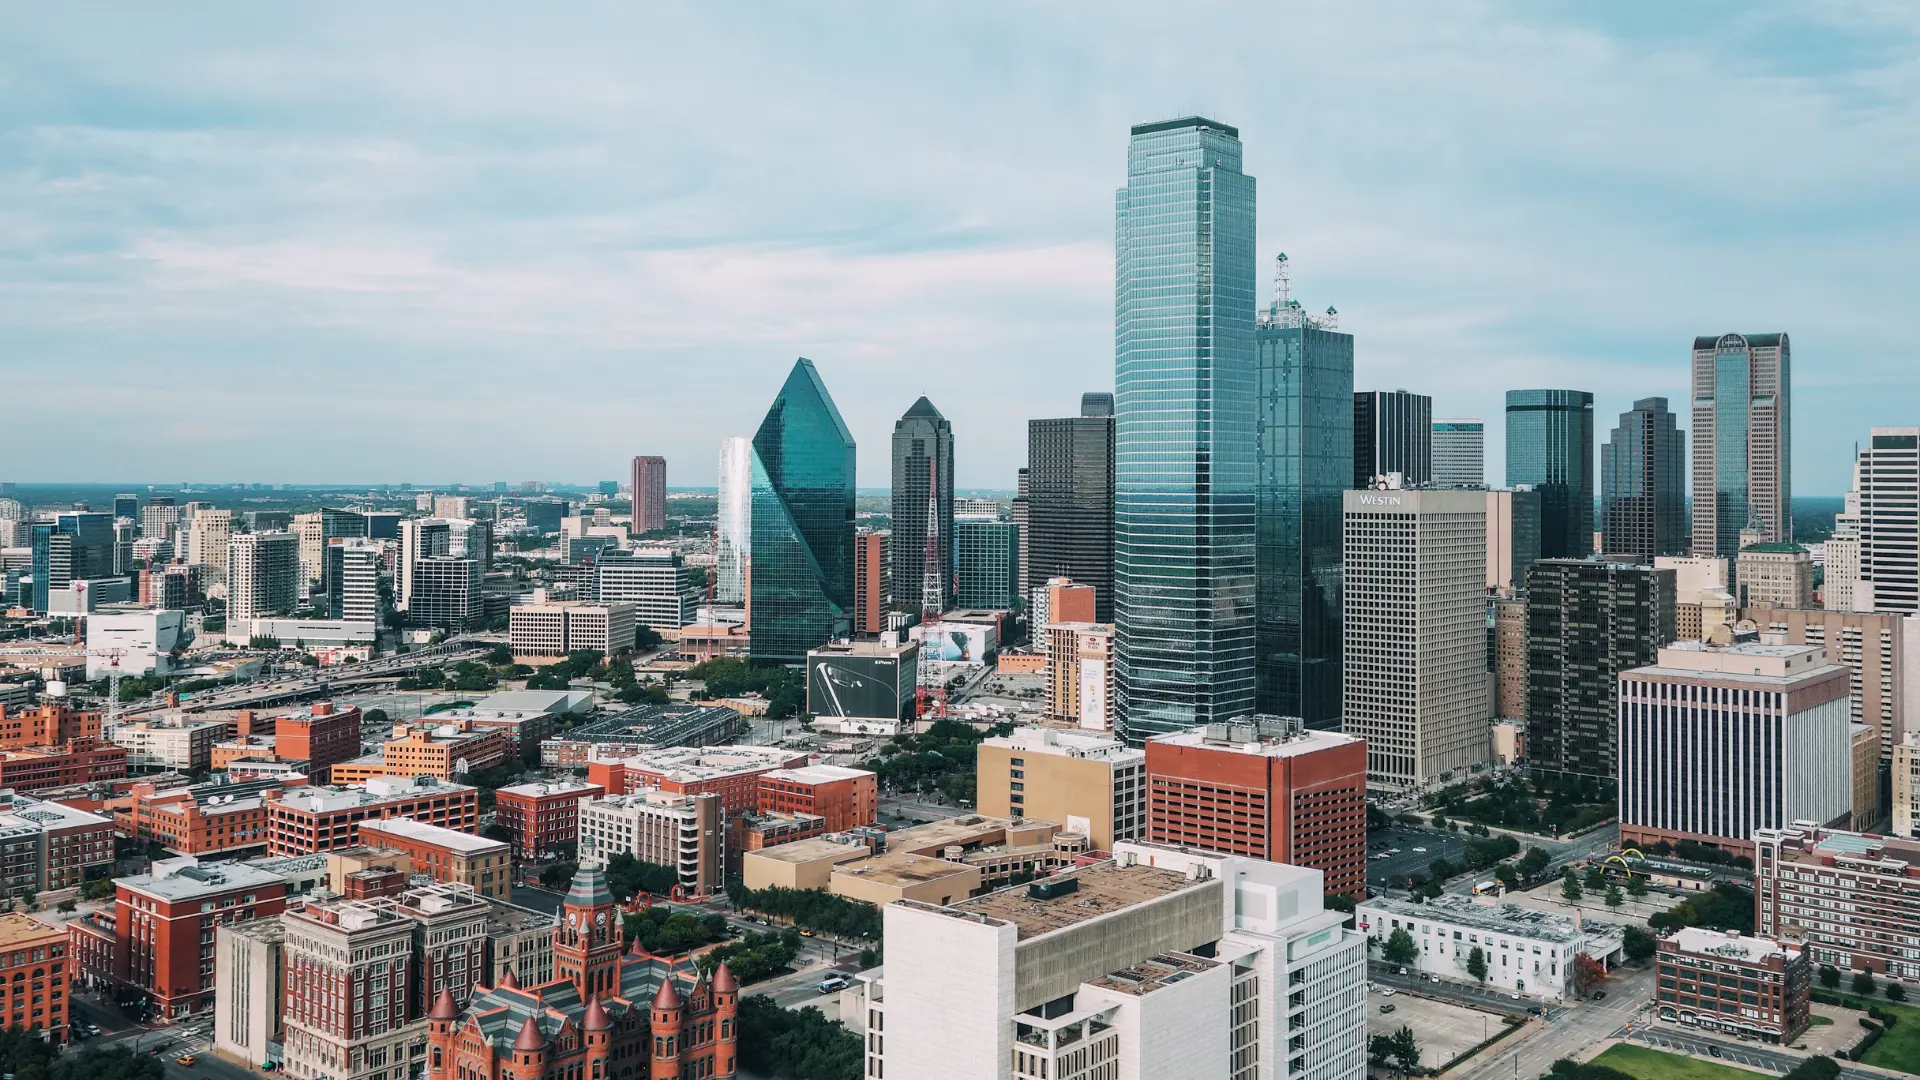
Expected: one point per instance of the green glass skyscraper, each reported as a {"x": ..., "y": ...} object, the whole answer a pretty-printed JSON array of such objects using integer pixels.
[
  {"x": 801, "y": 579},
  {"x": 1550, "y": 446},
  {"x": 1186, "y": 381}
]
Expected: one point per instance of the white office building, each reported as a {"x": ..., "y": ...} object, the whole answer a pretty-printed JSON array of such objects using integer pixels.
[
  {"x": 1459, "y": 453},
  {"x": 263, "y": 575},
  {"x": 657, "y": 582},
  {"x": 1887, "y": 481},
  {"x": 1526, "y": 951},
  {"x": 139, "y": 643},
  {"x": 420, "y": 538},
  {"x": 1414, "y": 632},
  {"x": 446, "y": 593},
  {"x": 207, "y": 538},
  {"x": 1160, "y": 963},
  {"x": 734, "y": 525},
  {"x": 359, "y": 582}
]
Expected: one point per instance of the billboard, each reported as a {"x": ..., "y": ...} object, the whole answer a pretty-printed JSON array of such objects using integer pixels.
[
  {"x": 967, "y": 643},
  {"x": 852, "y": 686}
]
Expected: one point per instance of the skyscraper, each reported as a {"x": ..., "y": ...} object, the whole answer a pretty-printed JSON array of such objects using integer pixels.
[
  {"x": 76, "y": 546},
  {"x": 922, "y": 454},
  {"x": 1184, "y": 430},
  {"x": 126, "y": 506},
  {"x": 1742, "y": 426},
  {"x": 263, "y": 577},
  {"x": 1069, "y": 504},
  {"x": 1306, "y": 444},
  {"x": 649, "y": 494},
  {"x": 1415, "y": 627},
  {"x": 420, "y": 539},
  {"x": 870, "y": 581},
  {"x": 1587, "y": 622},
  {"x": 1392, "y": 433},
  {"x": 1642, "y": 487},
  {"x": 1459, "y": 453},
  {"x": 801, "y": 587},
  {"x": 1885, "y": 481},
  {"x": 733, "y": 551},
  {"x": 986, "y": 563},
  {"x": 1550, "y": 446}
]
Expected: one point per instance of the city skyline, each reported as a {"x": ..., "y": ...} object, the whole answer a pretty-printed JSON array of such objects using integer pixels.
[{"x": 383, "y": 216}]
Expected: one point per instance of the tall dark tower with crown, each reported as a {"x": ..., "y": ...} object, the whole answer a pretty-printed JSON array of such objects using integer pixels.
[{"x": 586, "y": 944}]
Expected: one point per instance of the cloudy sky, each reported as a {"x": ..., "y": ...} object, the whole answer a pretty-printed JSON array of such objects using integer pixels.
[{"x": 346, "y": 243}]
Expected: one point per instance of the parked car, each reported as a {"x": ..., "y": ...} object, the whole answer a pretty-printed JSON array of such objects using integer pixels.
[
  {"x": 1388, "y": 992},
  {"x": 1714, "y": 1050},
  {"x": 185, "y": 1059},
  {"x": 1387, "y": 1008}
]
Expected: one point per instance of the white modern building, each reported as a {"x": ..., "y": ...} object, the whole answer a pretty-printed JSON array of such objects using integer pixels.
[
  {"x": 263, "y": 575},
  {"x": 1887, "y": 481},
  {"x": 1526, "y": 951},
  {"x": 734, "y": 525},
  {"x": 558, "y": 628},
  {"x": 207, "y": 538},
  {"x": 686, "y": 832},
  {"x": 1414, "y": 629},
  {"x": 359, "y": 582},
  {"x": 139, "y": 643},
  {"x": 175, "y": 742},
  {"x": 1160, "y": 963},
  {"x": 657, "y": 582}
]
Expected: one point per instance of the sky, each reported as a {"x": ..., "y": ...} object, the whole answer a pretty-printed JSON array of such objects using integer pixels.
[{"x": 463, "y": 243}]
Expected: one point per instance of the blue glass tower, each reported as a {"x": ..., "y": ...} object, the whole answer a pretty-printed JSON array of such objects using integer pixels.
[
  {"x": 800, "y": 586},
  {"x": 1306, "y": 426},
  {"x": 1550, "y": 446},
  {"x": 1186, "y": 382},
  {"x": 73, "y": 547}
]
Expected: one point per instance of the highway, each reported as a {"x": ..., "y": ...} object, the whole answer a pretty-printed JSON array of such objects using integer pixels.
[{"x": 312, "y": 683}]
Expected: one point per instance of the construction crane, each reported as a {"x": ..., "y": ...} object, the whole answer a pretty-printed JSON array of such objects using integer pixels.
[
  {"x": 112, "y": 657},
  {"x": 930, "y": 692}
]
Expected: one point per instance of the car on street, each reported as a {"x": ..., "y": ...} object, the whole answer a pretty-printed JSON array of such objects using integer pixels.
[
  {"x": 1393, "y": 851},
  {"x": 185, "y": 1059},
  {"x": 1421, "y": 850},
  {"x": 833, "y": 984},
  {"x": 1387, "y": 1008},
  {"x": 1598, "y": 994},
  {"x": 1714, "y": 1050},
  {"x": 1388, "y": 992}
]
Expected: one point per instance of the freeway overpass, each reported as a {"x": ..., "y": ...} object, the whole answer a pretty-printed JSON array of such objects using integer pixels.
[{"x": 313, "y": 682}]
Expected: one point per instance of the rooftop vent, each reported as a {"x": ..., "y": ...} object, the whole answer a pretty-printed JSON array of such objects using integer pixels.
[{"x": 1053, "y": 888}]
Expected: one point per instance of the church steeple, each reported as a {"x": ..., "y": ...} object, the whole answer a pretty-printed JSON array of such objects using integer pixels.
[{"x": 586, "y": 943}]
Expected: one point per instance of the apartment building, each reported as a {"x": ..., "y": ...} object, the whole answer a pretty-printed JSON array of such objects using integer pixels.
[
  {"x": 83, "y": 761},
  {"x": 1094, "y": 784},
  {"x": 1080, "y": 674},
  {"x": 686, "y": 832},
  {"x": 348, "y": 969},
  {"x": 164, "y": 924},
  {"x": 446, "y": 855},
  {"x": 263, "y": 575},
  {"x": 438, "y": 750},
  {"x": 446, "y": 593},
  {"x": 844, "y": 798},
  {"x": 1266, "y": 789},
  {"x": 556, "y": 629},
  {"x": 35, "y": 1001},
  {"x": 46, "y": 724},
  {"x": 731, "y": 772},
  {"x": 1161, "y": 962},
  {"x": 1776, "y": 575},
  {"x": 307, "y": 820},
  {"x": 171, "y": 743},
  {"x": 1843, "y": 898},
  {"x": 543, "y": 815},
  {"x": 1722, "y": 981}
]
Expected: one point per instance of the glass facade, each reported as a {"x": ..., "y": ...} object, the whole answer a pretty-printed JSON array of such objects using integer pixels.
[
  {"x": 1742, "y": 425},
  {"x": 1392, "y": 433},
  {"x": 800, "y": 585},
  {"x": 73, "y": 547},
  {"x": 987, "y": 564},
  {"x": 922, "y": 440},
  {"x": 1069, "y": 501},
  {"x": 1306, "y": 444},
  {"x": 1643, "y": 499},
  {"x": 1550, "y": 448},
  {"x": 1185, "y": 442}
]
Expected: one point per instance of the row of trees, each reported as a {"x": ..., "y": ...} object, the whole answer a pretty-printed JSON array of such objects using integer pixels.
[
  {"x": 1400, "y": 1050},
  {"x": 815, "y": 909},
  {"x": 673, "y": 933},
  {"x": 1863, "y": 985},
  {"x": 784, "y": 688},
  {"x": 796, "y": 1044},
  {"x": 941, "y": 759},
  {"x": 24, "y": 1055},
  {"x": 754, "y": 955}
]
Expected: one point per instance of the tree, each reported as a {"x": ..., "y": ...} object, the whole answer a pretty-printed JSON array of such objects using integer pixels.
[
  {"x": 1442, "y": 869},
  {"x": 558, "y": 875},
  {"x": 1640, "y": 945},
  {"x": 1380, "y": 1051},
  {"x": 499, "y": 656},
  {"x": 1863, "y": 984},
  {"x": 1636, "y": 885},
  {"x": 1584, "y": 973},
  {"x": 1477, "y": 964},
  {"x": 1596, "y": 877},
  {"x": 1406, "y": 1051},
  {"x": 1342, "y": 903},
  {"x": 646, "y": 638},
  {"x": 1829, "y": 976},
  {"x": 1570, "y": 886},
  {"x": 1817, "y": 1067},
  {"x": 1726, "y": 907},
  {"x": 1614, "y": 899},
  {"x": 70, "y": 905},
  {"x": 1534, "y": 861},
  {"x": 1400, "y": 948},
  {"x": 796, "y": 1043}
]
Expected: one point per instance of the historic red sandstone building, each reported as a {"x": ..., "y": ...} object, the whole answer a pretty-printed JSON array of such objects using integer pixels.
[{"x": 604, "y": 1017}]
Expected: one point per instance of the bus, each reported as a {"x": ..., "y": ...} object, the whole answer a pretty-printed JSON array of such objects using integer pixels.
[{"x": 1486, "y": 888}]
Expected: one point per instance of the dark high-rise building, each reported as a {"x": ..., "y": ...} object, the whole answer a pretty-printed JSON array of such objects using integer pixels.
[
  {"x": 1184, "y": 439},
  {"x": 922, "y": 455},
  {"x": 1643, "y": 498},
  {"x": 1550, "y": 447},
  {"x": 986, "y": 563},
  {"x": 1069, "y": 527},
  {"x": 1392, "y": 433},
  {"x": 75, "y": 546},
  {"x": 1742, "y": 441},
  {"x": 1588, "y": 621},
  {"x": 1306, "y": 442},
  {"x": 649, "y": 494},
  {"x": 1022, "y": 520},
  {"x": 801, "y": 532},
  {"x": 126, "y": 506}
]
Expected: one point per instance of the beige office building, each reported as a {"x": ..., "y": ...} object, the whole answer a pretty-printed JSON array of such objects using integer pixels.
[
  {"x": 1881, "y": 652},
  {"x": 249, "y": 973},
  {"x": 1080, "y": 673},
  {"x": 1095, "y": 784},
  {"x": 1700, "y": 597},
  {"x": 1510, "y": 658},
  {"x": 1775, "y": 575}
]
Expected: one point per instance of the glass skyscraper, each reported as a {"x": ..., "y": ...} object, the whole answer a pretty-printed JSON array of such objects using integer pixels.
[
  {"x": 731, "y": 525},
  {"x": 1643, "y": 495},
  {"x": 1186, "y": 381},
  {"x": 1392, "y": 433},
  {"x": 1742, "y": 445},
  {"x": 1069, "y": 503},
  {"x": 801, "y": 584},
  {"x": 72, "y": 547},
  {"x": 1306, "y": 459},
  {"x": 1550, "y": 446},
  {"x": 922, "y": 451}
]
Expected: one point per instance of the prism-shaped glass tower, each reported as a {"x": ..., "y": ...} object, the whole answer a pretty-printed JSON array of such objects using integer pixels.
[{"x": 800, "y": 583}]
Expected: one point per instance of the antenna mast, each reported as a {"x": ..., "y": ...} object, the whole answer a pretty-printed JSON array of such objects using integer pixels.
[{"x": 931, "y": 694}]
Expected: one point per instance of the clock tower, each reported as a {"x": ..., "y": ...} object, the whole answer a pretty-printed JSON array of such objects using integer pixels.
[{"x": 587, "y": 941}]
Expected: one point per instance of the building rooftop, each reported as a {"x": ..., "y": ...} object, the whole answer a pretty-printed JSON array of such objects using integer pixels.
[
  {"x": 539, "y": 788},
  {"x": 1730, "y": 944},
  {"x": 865, "y": 648},
  {"x": 350, "y": 915},
  {"x": 1068, "y": 742},
  {"x": 902, "y": 869},
  {"x": 802, "y": 851},
  {"x": 1155, "y": 972},
  {"x": 1502, "y": 919},
  {"x": 451, "y": 839},
  {"x": 1774, "y": 549},
  {"x": 1099, "y": 890},
  {"x": 505, "y": 918},
  {"x": 817, "y": 774},
  {"x": 1767, "y": 664},
  {"x": 1258, "y": 739},
  {"x": 535, "y": 701},
  {"x": 186, "y": 879},
  {"x": 966, "y": 830},
  {"x": 384, "y": 789},
  {"x": 270, "y": 930},
  {"x": 17, "y": 928},
  {"x": 53, "y": 815},
  {"x": 291, "y": 864},
  {"x": 690, "y": 764}
]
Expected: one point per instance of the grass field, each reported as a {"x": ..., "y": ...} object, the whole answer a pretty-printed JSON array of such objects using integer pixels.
[
  {"x": 1899, "y": 1048},
  {"x": 1822, "y": 1021},
  {"x": 1643, "y": 1063}
]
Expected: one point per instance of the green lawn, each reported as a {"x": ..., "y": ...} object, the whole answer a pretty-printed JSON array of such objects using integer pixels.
[
  {"x": 1822, "y": 1021},
  {"x": 1899, "y": 1048},
  {"x": 1643, "y": 1063}
]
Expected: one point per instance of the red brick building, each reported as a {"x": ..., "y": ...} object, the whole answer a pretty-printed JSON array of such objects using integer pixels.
[
  {"x": 322, "y": 736},
  {"x": 38, "y": 987},
  {"x": 1289, "y": 796},
  {"x": 731, "y": 772},
  {"x": 314, "y": 819},
  {"x": 542, "y": 815},
  {"x": 45, "y": 725},
  {"x": 163, "y": 926},
  {"x": 446, "y": 855},
  {"x": 846, "y": 798},
  {"x": 184, "y": 823},
  {"x": 605, "y": 1015},
  {"x": 347, "y": 969},
  {"x": 82, "y": 761}
]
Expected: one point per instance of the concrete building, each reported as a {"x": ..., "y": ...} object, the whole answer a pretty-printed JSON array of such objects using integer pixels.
[
  {"x": 1415, "y": 633},
  {"x": 315, "y": 819},
  {"x": 420, "y": 538},
  {"x": 1906, "y": 786},
  {"x": 1742, "y": 441},
  {"x": 686, "y": 832},
  {"x": 1774, "y": 575},
  {"x": 1510, "y": 658},
  {"x": 1808, "y": 882},
  {"x": 871, "y": 580},
  {"x": 1707, "y": 734},
  {"x": 734, "y": 523},
  {"x": 649, "y": 482},
  {"x": 1887, "y": 483},
  {"x": 1866, "y": 778},
  {"x": 178, "y": 743},
  {"x": 1724, "y": 982},
  {"x": 263, "y": 575},
  {"x": 1699, "y": 585},
  {"x": 1459, "y": 453},
  {"x": 1881, "y": 652},
  {"x": 446, "y": 855},
  {"x": 250, "y": 989},
  {"x": 544, "y": 815},
  {"x": 552, "y": 630},
  {"x": 863, "y": 687},
  {"x": 1094, "y": 784},
  {"x": 1062, "y": 599},
  {"x": 446, "y": 593},
  {"x": 1513, "y": 538},
  {"x": 1160, "y": 963},
  {"x": 347, "y": 966},
  {"x": 1527, "y": 951},
  {"x": 1267, "y": 789},
  {"x": 657, "y": 582},
  {"x": 1080, "y": 674}
]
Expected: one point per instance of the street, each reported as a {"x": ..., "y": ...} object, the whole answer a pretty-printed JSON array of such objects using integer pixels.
[
  {"x": 1732, "y": 1051},
  {"x": 1566, "y": 1031}
]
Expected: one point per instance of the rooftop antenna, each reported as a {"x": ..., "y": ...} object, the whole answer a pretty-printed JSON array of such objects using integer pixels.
[{"x": 1282, "y": 284}]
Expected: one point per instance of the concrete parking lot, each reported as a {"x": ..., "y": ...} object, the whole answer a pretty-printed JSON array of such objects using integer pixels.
[
  {"x": 1394, "y": 869},
  {"x": 1443, "y": 1029}
]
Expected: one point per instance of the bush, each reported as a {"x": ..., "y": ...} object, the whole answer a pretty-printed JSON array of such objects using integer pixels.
[
  {"x": 1829, "y": 976},
  {"x": 1896, "y": 992},
  {"x": 754, "y": 956}
]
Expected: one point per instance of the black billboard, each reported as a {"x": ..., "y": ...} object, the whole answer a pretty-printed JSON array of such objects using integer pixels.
[{"x": 854, "y": 687}]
